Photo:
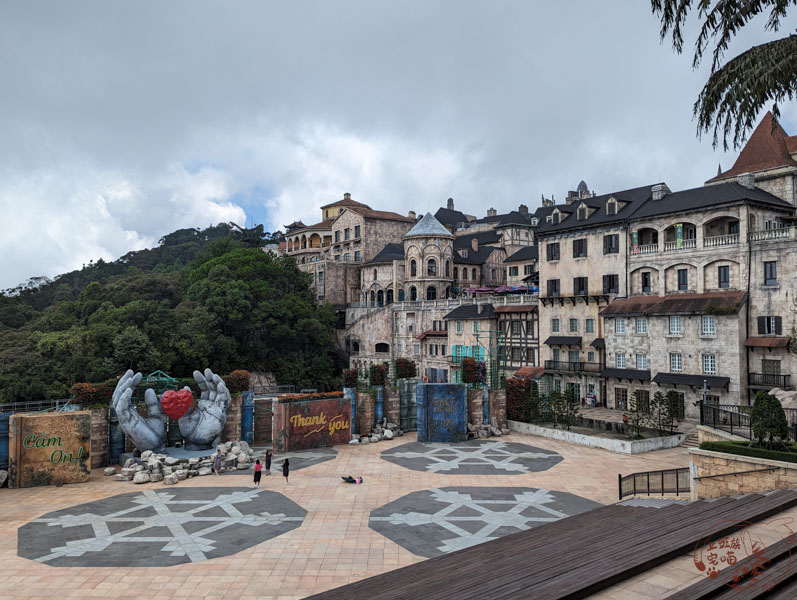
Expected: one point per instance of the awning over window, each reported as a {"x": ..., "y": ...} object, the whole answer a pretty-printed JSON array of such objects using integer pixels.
[
  {"x": 767, "y": 342},
  {"x": 530, "y": 372},
  {"x": 598, "y": 343},
  {"x": 563, "y": 340},
  {"x": 712, "y": 381},
  {"x": 632, "y": 374}
]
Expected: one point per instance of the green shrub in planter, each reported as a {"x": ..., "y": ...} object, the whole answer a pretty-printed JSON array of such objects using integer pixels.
[{"x": 744, "y": 449}]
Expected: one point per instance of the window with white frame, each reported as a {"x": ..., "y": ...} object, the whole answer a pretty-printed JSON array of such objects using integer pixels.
[
  {"x": 710, "y": 364},
  {"x": 516, "y": 328},
  {"x": 619, "y": 360},
  {"x": 619, "y": 325},
  {"x": 676, "y": 325},
  {"x": 589, "y": 326},
  {"x": 573, "y": 325},
  {"x": 641, "y": 361},
  {"x": 590, "y": 357},
  {"x": 459, "y": 326},
  {"x": 475, "y": 327},
  {"x": 676, "y": 362},
  {"x": 417, "y": 348},
  {"x": 641, "y": 325},
  {"x": 709, "y": 325},
  {"x": 555, "y": 325}
]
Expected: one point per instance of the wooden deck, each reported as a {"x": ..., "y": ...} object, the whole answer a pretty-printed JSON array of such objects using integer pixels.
[{"x": 571, "y": 558}]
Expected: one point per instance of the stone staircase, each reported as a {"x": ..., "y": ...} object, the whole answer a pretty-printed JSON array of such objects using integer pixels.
[{"x": 691, "y": 441}]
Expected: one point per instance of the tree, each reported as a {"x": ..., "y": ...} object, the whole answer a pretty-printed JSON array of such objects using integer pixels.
[
  {"x": 664, "y": 412},
  {"x": 737, "y": 90},
  {"x": 768, "y": 419},
  {"x": 638, "y": 418}
]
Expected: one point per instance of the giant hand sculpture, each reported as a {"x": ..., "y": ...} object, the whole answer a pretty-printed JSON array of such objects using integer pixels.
[{"x": 200, "y": 427}]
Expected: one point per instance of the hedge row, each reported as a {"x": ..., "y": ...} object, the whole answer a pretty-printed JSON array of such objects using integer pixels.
[{"x": 743, "y": 449}]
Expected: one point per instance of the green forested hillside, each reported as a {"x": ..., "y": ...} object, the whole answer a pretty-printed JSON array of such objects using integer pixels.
[{"x": 208, "y": 298}]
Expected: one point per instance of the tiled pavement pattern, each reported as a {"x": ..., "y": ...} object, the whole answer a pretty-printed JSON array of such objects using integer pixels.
[
  {"x": 162, "y": 527},
  {"x": 476, "y": 457},
  {"x": 333, "y": 546},
  {"x": 296, "y": 460},
  {"x": 435, "y": 522}
]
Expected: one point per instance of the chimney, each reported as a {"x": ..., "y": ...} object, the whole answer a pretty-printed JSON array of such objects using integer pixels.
[
  {"x": 450, "y": 204},
  {"x": 746, "y": 180},
  {"x": 474, "y": 243},
  {"x": 491, "y": 212},
  {"x": 571, "y": 197},
  {"x": 660, "y": 190},
  {"x": 523, "y": 209},
  {"x": 412, "y": 215},
  {"x": 347, "y": 196}
]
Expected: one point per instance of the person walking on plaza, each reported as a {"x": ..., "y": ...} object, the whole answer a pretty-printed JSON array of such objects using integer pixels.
[
  {"x": 217, "y": 461},
  {"x": 285, "y": 470},
  {"x": 258, "y": 472},
  {"x": 269, "y": 454}
]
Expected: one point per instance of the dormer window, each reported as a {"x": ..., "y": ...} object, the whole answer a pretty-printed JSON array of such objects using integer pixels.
[
  {"x": 555, "y": 217},
  {"x": 534, "y": 222},
  {"x": 611, "y": 207},
  {"x": 582, "y": 212}
]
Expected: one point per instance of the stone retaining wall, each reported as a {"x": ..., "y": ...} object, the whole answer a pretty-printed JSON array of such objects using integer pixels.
[
  {"x": 705, "y": 462},
  {"x": 366, "y": 411},
  {"x": 619, "y": 446},
  {"x": 707, "y": 434},
  {"x": 498, "y": 407},
  {"x": 475, "y": 416},
  {"x": 232, "y": 428}
]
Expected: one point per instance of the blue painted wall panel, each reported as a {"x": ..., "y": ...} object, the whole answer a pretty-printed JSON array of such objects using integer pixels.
[{"x": 442, "y": 412}]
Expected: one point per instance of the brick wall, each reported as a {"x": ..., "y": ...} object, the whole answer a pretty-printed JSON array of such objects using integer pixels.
[
  {"x": 100, "y": 432},
  {"x": 704, "y": 463},
  {"x": 475, "y": 406},
  {"x": 392, "y": 405},
  {"x": 366, "y": 412}
]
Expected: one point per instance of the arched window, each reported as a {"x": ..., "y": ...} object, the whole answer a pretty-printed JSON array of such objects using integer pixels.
[
  {"x": 374, "y": 274},
  {"x": 448, "y": 268},
  {"x": 413, "y": 268},
  {"x": 431, "y": 293},
  {"x": 380, "y": 298},
  {"x": 382, "y": 348},
  {"x": 474, "y": 275},
  {"x": 390, "y": 296},
  {"x": 456, "y": 273},
  {"x": 448, "y": 291},
  {"x": 401, "y": 295},
  {"x": 303, "y": 259},
  {"x": 413, "y": 294},
  {"x": 373, "y": 298},
  {"x": 431, "y": 268}
]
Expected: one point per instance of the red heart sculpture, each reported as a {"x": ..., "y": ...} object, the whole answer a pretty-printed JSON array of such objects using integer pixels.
[{"x": 176, "y": 404}]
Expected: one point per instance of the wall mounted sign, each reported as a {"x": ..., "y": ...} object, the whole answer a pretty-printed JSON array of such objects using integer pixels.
[{"x": 312, "y": 424}]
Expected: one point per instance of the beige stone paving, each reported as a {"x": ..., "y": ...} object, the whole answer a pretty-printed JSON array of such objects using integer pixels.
[{"x": 333, "y": 546}]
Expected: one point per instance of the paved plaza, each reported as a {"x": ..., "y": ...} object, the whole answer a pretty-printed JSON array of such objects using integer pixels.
[{"x": 216, "y": 537}]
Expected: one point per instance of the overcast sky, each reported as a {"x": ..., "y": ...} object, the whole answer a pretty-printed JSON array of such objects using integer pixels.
[{"x": 123, "y": 121}]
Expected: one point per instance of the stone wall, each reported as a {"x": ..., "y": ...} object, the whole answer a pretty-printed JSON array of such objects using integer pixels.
[
  {"x": 366, "y": 411},
  {"x": 392, "y": 405},
  {"x": 498, "y": 407},
  {"x": 475, "y": 415},
  {"x": 100, "y": 438},
  {"x": 707, "y": 434},
  {"x": 232, "y": 428},
  {"x": 770, "y": 475}
]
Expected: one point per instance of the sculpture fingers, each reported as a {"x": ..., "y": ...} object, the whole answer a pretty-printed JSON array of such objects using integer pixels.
[
  {"x": 201, "y": 381},
  {"x": 211, "y": 379},
  {"x": 152, "y": 402},
  {"x": 127, "y": 417},
  {"x": 126, "y": 381}
]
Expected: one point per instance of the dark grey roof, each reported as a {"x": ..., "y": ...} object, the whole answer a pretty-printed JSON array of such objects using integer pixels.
[
  {"x": 450, "y": 218},
  {"x": 598, "y": 343},
  {"x": 691, "y": 380},
  {"x": 478, "y": 257},
  {"x": 525, "y": 254},
  {"x": 635, "y": 374},
  {"x": 563, "y": 340},
  {"x": 485, "y": 238},
  {"x": 632, "y": 200},
  {"x": 514, "y": 218},
  {"x": 389, "y": 253},
  {"x": 707, "y": 196},
  {"x": 428, "y": 226},
  {"x": 471, "y": 311}
]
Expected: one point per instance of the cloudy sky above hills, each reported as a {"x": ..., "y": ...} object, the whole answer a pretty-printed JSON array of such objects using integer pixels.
[{"x": 124, "y": 121}]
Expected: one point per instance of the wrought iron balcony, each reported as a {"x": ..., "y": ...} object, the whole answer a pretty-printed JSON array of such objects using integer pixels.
[
  {"x": 573, "y": 366},
  {"x": 769, "y": 380}
]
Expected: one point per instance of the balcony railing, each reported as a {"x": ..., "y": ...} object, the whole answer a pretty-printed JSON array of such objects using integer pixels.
[
  {"x": 685, "y": 245},
  {"x": 721, "y": 240},
  {"x": 646, "y": 249},
  {"x": 573, "y": 366},
  {"x": 782, "y": 233},
  {"x": 769, "y": 380}
]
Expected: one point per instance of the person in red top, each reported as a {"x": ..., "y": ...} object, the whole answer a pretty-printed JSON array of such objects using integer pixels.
[{"x": 258, "y": 472}]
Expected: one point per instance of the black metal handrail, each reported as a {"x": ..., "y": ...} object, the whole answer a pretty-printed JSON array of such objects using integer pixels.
[
  {"x": 736, "y": 419},
  {"x": 667, "y": 481}
]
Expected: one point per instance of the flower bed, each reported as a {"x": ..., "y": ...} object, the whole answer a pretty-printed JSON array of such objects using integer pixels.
[{"x": 306, "y": 397}]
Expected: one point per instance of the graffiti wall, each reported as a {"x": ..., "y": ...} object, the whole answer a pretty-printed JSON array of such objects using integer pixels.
[
  {"x": 442, "y": 412},
  {"x": 301, "y": 425},
  {"x": 49, "y": 448}
]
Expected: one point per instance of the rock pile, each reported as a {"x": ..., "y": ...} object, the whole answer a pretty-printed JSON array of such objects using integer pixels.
[
  {"x": 381, "y": 431},
  {"x": 152, "y": 467},
  {"x": 486, "y": 430}
]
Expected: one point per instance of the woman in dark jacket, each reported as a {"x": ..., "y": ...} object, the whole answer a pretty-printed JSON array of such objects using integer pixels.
[{"x": 285, "y": 470}]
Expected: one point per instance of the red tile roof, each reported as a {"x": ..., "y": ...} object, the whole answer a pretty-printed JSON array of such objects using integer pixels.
[
  {"x": 717, "y": 302},
  {"x": 433, "y": 332},
  {"x": 326, "y": 224},
  {"x": 532, "y": 372},
  {"x": 769, "y": 147},
  {"x": 346, "y": 202},
  {"x": 767, "y": 342}
]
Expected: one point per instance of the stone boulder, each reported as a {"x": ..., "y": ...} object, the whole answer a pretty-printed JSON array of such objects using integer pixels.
[
  {"x": 153, "y": 477},
  {"x": 145, "y": 455},
  {"x": 170, "y": 479},
  {"x": 3, "y": 478},
  {"x": 130, "y": 462},
  {"x": 141, "y": 477},
  {"x": 205, "y": 471},
  {"x": 354, "y": 442},
  {"x": 109, "y": 471},
  {"x": 388, "y": 434},
  {"x": 121, "y": 477},
  {"x": 365, "y": 440},
  {"x": 181, "y": 474},
  {"x": 170, "y": 461}
]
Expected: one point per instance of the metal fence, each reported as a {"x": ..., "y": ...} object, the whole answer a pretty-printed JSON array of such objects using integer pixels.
[
  {"x": 33, "y": 406},
  {"x": 668, "y": 481},
  {"x": 736, "y": 419}
]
